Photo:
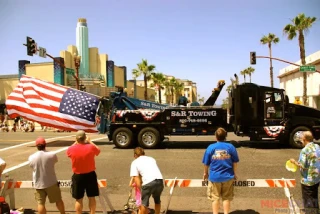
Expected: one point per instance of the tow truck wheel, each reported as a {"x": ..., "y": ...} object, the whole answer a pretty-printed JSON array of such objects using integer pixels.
[
  {"x": 295, "y": 137},
  {"x": 122, "y": 138},
  {"x": 149, "y": 138}
]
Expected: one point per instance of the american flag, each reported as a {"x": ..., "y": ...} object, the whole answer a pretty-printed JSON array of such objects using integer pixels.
[{"x": 53, "y": 105}]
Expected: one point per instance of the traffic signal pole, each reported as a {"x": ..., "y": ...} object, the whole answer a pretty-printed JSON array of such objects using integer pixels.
[
  {"x": 62, "y": 65},
  {"x": 281, "y": 60}
]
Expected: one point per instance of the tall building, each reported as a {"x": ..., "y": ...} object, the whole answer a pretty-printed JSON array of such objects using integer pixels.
[{"x": 82, "y": 41}]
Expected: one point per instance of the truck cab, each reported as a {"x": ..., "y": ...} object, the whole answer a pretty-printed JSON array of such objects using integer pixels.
[{"x": 262, "y": 112}]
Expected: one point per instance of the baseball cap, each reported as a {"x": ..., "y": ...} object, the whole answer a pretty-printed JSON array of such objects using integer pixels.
[
  {"x": 81, "y": 135},
  {"x": 40, "y": 141}
]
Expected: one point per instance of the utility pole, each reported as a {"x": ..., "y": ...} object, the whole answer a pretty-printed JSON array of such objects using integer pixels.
[
  {"x": 33, "y": 49},
  {"x": 77, "y": 60}
]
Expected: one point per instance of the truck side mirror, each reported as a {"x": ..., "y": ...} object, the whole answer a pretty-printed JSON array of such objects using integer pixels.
[{"x": 286, "y": 100}]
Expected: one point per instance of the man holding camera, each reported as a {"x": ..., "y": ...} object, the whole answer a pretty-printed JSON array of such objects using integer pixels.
[{"x": 84, "y": 179}]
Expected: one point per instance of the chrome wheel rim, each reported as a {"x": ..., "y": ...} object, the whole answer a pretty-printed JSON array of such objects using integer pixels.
[
  {"x": 122, "y": 138},
  {"x": 148, "y": 138},
  {"x": 297, "y": 137}
]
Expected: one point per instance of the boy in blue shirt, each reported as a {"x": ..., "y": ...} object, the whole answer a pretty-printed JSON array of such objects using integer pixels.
[{"x": 220, "y": 164}]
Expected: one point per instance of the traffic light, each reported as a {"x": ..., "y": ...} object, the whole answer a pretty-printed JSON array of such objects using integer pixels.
[
  {"x": 82, "y": 87},
  {"x": 31, "y": 46},
  {"x": 252, "y": 58}
]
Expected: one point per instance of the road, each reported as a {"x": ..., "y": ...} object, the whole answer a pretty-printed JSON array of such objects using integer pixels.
[{"x": 175, "y": 159}]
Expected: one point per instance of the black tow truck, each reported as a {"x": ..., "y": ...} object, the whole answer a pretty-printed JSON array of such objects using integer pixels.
[{"x": 258, "y": 112}]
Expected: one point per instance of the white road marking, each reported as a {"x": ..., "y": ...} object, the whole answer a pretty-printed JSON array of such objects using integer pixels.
[
  {"x": 23, "y": 144},
  {"x": 27, "y": 162}
]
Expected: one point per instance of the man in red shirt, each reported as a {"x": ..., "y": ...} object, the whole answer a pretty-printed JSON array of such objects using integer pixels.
[{"x": 84, "y": 178}]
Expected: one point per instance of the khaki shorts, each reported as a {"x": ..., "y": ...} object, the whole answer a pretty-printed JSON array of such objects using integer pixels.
[
  {"x": 223, "y": 190},
  {"x": 53, "y": 192}
]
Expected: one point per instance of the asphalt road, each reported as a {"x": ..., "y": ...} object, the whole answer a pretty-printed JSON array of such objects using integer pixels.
[{"x": 180, "y": 157}]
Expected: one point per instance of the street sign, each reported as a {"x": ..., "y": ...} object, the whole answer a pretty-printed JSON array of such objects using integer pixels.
[
  {"x": 307, "y": 68},
  {"x": 70, "y": 71},
  {"x": 42, "y": 52}
]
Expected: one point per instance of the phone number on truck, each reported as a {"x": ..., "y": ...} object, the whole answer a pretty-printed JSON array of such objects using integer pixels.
[{"x": 201, "y": 120}]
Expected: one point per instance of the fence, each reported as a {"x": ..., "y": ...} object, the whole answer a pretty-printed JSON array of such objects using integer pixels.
[{"x": 9, "y": 185}]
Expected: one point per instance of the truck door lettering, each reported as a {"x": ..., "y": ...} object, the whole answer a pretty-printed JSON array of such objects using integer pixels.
[
  {"x": 202, "y": 113},
  {"x": 178, "y": 114}
]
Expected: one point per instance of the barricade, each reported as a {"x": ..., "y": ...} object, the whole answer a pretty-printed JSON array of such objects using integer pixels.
[
  {"x": 269, "y": 183},
  {"x": 9, "y": 185}
]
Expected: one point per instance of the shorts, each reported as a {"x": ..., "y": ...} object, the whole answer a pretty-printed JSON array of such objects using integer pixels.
[
  {"x": 153, "y": 188},
  {"x": 223, "y": 190},
  {"x": 53, "y": 192},
  {"x": 84, "y": 183}
]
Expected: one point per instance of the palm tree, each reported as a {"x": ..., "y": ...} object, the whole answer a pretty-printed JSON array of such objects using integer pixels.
[
  {"x": 146, "y": 70},
  {"x": 229, "y": 88},
  {"x": 159, "y": 81},
  {"x": 178, "y": 88},
  {"x": 244, "y": 72},
  {"x": 169, "y": 84},
  {"x": 300, "y": 25},
  {"x": 250, "y": 71},
  {"x": 269, "y": 39},
  {"x": 225, "y": 103}
]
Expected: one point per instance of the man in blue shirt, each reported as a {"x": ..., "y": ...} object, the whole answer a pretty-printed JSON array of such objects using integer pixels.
[
  {"x": 309, "y": 163},
  {"x": 220, "y": 164}
]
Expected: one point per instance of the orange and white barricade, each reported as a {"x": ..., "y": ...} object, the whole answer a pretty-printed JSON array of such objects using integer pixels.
[
  {"x": 238, "y": 183},
  {"x": 8, "y": 186},
  {"x": 268, "y": 183}
]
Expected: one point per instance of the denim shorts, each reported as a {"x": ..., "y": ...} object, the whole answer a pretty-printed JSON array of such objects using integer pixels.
[{"x": 154, "y": 189}]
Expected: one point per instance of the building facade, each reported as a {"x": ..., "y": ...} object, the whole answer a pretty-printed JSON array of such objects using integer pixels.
[
  {"x": 97, "y": 72},
  {"x": 291, "y": 79},
  {"x": 189, "y": 90}
]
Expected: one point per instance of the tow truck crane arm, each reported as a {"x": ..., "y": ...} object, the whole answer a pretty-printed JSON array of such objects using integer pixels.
[
  {"x": 122, "y": 102},
  {"x": 215, "y": 94}
]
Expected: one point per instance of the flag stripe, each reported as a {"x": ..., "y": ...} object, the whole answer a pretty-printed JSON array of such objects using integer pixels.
[
  {"x": 61, "y": 126},
  {"x": 19, "y": 94},
  {"x": 52, "y": 105},
  {"x": 29, "y": 91},
  {"x": 44, "y": 113},
  {"x": 49, "y": 86}
]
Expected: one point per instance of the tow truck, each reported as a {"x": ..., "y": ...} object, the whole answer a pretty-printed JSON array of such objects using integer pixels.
[{"x": 259, "y": 112}]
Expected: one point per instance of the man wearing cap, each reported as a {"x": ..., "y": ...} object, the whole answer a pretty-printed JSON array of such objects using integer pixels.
[
  {"x": 84, "y": 179},
  {"x": 44, "y": 177}
]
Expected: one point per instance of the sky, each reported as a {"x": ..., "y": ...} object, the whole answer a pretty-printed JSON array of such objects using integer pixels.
[{"x": 201, "y": 40}]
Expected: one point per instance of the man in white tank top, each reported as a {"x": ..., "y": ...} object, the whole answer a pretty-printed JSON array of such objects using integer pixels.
[{"x": 152, "y": 179}]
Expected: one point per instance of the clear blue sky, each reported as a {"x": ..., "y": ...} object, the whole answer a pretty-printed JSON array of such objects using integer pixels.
[{"x": 203, "y": 40}]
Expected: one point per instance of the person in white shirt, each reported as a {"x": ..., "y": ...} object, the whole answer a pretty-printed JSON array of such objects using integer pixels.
[
  {"x": 2, "y": 167},
  {"x": 44, "y": 177},
  {"x": 152, "y": 179}
]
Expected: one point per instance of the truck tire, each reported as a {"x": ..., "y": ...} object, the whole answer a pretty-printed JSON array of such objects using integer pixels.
[
  {"x": 149, "y": 138},
  {"x": 294, "y": 139},
  {"x": 122, "y": 138}
]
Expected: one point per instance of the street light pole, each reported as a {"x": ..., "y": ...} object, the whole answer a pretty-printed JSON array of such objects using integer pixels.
[{"x": 77, "y": 60}]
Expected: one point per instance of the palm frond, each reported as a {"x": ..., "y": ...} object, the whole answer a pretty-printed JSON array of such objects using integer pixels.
[{"x": 290, "y": 31}]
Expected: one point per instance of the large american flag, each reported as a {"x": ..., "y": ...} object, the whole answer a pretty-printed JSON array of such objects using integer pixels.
[{"x": 53, "y": 105}]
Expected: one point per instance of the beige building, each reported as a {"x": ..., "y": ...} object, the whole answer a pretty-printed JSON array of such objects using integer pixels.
[
  {"x": 189, "y": 90},
  {"x": 8, "y": 83},
  {"x": 104, "y": 76},
  {"x": 291, "y": 79}
]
